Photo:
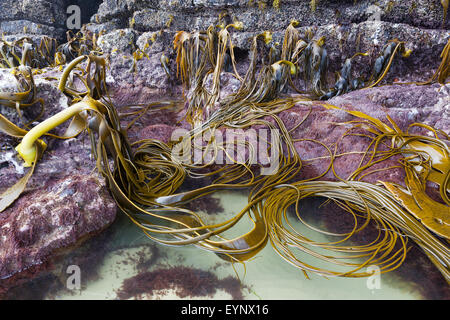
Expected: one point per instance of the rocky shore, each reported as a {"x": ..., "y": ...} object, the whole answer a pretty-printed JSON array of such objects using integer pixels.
[{"x": 67, "y": 202}]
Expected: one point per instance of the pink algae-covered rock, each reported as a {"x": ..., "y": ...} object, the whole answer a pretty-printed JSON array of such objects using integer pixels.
[{"x": 44, "y": 222}]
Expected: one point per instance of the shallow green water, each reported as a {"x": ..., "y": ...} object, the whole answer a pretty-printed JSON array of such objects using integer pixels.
[{"x": 265, "y": 277}]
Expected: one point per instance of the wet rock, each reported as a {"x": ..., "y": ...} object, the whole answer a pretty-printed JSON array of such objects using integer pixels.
[
  {"x": 228, "y": 84},
  {"x": 110, "y": 9},
  {"x": 46, "y": 89},
  {"x": 39, "y": 11},
  {"x": 419, "y": 13},
  {"x": 154, "y": 31},
  {"x": 8, "y": 81},
  {"x": 25, "y": 28},
  {"x": 216, "y": 3},
  {"x": 103, "y": 28},
  {"x": 343, "y": 41},
  {"x": 145, "y": 73},
  {"x": 153, "y": 42}
]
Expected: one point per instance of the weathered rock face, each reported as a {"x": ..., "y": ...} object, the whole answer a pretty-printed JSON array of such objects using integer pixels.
[
  {"x": 344, "y": 41},
  {"x": 188, "y": 15},
  {"x": 41, "y": 17},
  {"x": 42, "y": 223},
  {"x": 38, "y": 17}
]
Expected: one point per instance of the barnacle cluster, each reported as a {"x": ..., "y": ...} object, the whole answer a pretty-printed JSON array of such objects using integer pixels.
[{"x": 147, "y": 175}]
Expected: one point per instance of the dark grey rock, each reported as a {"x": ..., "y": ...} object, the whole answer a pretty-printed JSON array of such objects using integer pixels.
[
  {"x": 37, "y": 17},
  {"x": 349, "y": 27},
  {"x": 341, "y": 42},
  {"x": 106, "y": 27},
  {"x": 122, "y": 9},
  {"x": 120, "y": 41},
  {"x": 39, "y": 11},
  {"x": 420, "y": 13}
]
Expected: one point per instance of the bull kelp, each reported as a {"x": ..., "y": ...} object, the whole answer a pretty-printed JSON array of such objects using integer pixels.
[{"x": 146, "y": 177}]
